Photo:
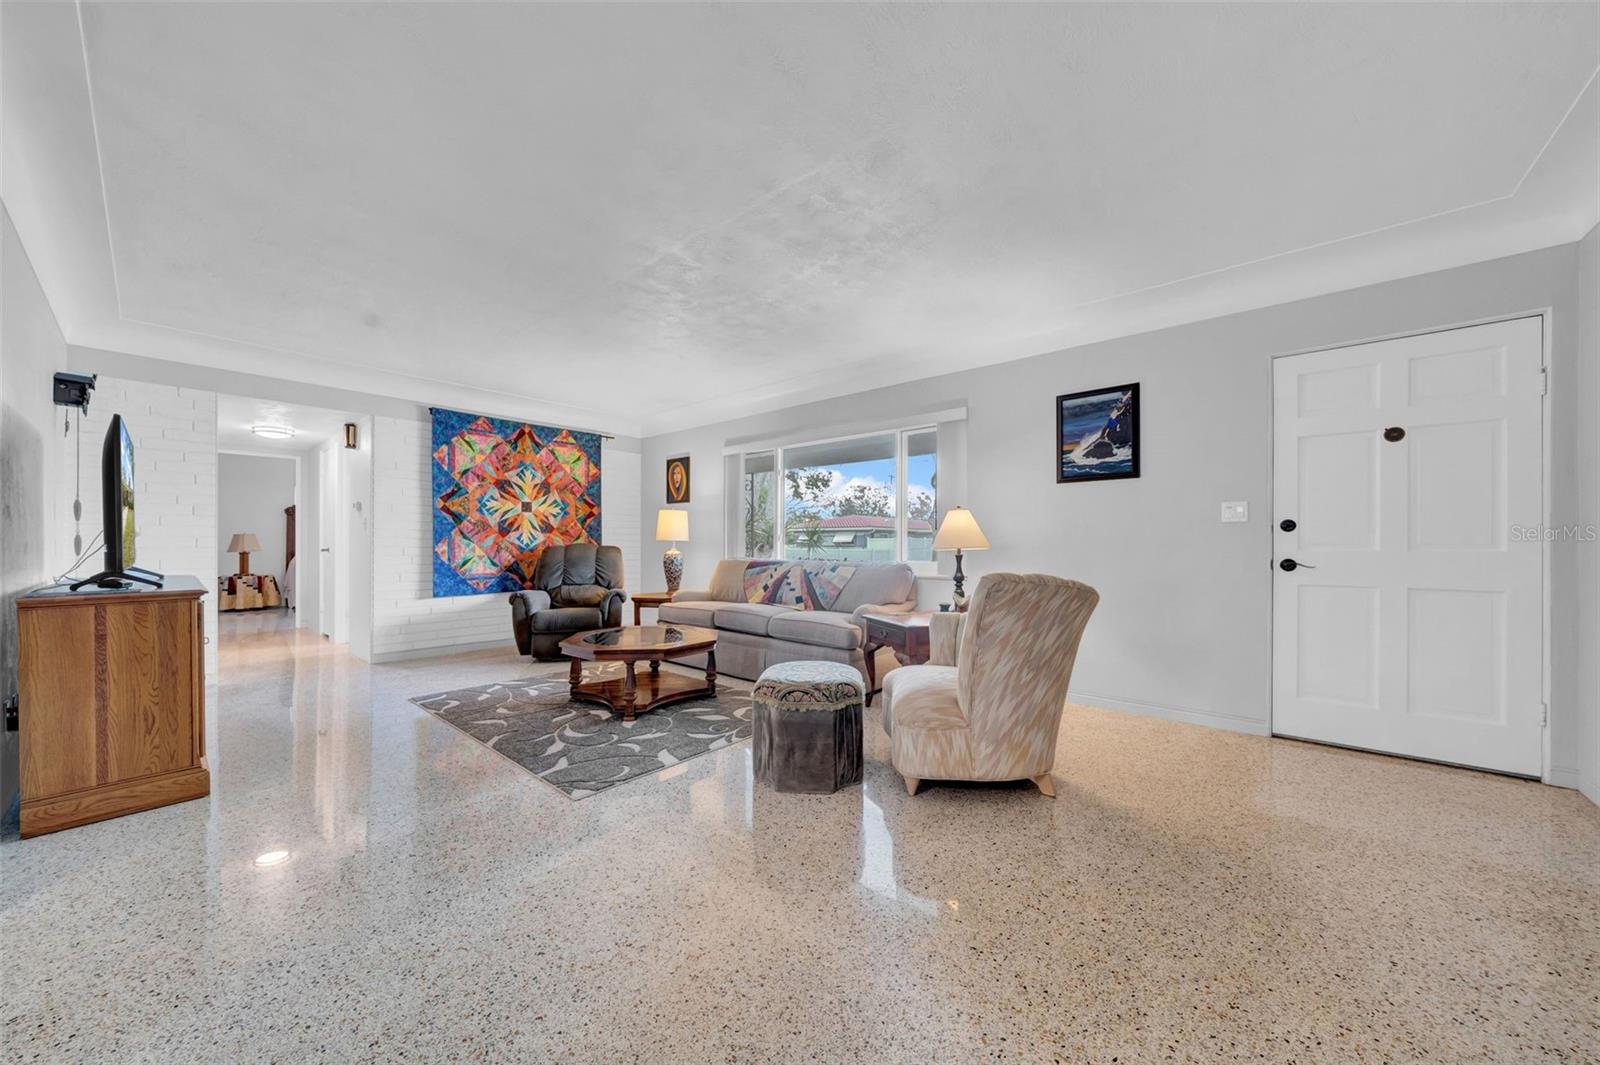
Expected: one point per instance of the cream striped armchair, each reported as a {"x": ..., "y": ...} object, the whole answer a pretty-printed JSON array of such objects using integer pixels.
[{"x": 988, "y": 704}]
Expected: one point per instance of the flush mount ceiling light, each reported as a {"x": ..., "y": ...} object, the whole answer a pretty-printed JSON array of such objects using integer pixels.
[
  {"x": 272, "y": 858},
  {"x": 273, "y": 432}
]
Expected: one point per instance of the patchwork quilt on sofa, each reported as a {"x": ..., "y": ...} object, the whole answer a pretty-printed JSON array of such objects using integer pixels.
[{"x": 805, "y": 585}]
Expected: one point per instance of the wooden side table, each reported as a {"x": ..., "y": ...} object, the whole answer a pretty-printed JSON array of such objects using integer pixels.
[
  {"x": 907, "y": 634},
  {"x": 648, "y": 599}
]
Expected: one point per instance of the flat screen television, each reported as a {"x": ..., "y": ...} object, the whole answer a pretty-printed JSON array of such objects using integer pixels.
[
  {"x": 116, "y": 497},
  {"x": 117, "y": 511}
]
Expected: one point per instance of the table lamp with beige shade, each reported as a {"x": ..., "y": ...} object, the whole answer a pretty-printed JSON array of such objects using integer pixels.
[
  {"x": 672, "y": 525},
  {"x": 243, "y": 544},
  {"x": 959, "y": 532}
]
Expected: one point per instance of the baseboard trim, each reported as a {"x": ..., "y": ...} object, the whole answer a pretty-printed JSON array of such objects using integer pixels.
[
  {"x": 441, "y": 651},
  {"x": 57, "y": 812},
  {"x": 1187, "y": 715},
  {"x": 1564, "y": 778}
]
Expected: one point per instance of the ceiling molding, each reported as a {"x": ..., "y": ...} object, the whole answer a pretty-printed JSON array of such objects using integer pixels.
[{"x": 99, "y": 156}]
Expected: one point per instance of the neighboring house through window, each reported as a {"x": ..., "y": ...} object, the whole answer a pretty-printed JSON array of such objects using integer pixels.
[{"x": 870, "y": 498}]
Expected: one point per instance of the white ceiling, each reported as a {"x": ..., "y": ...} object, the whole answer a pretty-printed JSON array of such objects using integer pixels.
[
  {"x": 312, "y": 425},
  {"x": 643, "y": 217}
]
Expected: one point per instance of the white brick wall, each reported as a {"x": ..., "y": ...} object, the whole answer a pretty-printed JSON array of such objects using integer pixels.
[
  {"x": 174, "y": 433},
  {"x": 620, "y": 523},
  {"x": 407, "y": 620}
]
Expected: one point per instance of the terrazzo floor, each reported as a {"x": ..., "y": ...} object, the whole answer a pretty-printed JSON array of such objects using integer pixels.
[{"x": 1191, "y": 896}]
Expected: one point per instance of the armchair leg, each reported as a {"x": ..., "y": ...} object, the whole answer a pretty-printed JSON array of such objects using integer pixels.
[
  {"x": 1045, "y": 784},
  {"x": 912, "y": 784}
]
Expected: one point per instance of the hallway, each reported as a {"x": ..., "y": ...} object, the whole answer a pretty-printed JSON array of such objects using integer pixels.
[{"x": 1192, "y": 895}]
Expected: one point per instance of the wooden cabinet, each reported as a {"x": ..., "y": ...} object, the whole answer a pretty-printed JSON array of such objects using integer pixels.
[{"x": 112, "y": 716}]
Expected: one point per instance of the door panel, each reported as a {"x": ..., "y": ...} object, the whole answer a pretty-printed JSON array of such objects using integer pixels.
[
  {"x": 1338, "y": 644},
  {"x": 1458, "y": 491},
  {"x": 1414, "y": 621},
  {"x": 1455, "y": 374},
  {"x": 1338, "y": 492},
  {"x": 1456, "y": 641},
  {"x": 1341, "y": 388},
  {"x": 144, "y": 735}
]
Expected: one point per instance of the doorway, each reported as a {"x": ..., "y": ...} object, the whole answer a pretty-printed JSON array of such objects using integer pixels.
[
  {"x": 327, "y": 575},
  {"x": 1408, "y": 582},
  {"x": 257, "y": 541}
]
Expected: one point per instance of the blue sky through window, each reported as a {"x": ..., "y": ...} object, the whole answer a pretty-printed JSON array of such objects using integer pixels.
[{"x": 878, "y": 473}]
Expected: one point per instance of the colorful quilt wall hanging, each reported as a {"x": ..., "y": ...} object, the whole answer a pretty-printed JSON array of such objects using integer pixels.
[{"x": 503, "y": 491}]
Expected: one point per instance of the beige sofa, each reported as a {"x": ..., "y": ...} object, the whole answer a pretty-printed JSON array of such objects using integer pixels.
[{"x": 754, "y": 635}]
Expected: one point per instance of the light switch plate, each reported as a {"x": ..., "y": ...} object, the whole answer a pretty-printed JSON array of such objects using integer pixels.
[{"x": 1235, "y": 511}]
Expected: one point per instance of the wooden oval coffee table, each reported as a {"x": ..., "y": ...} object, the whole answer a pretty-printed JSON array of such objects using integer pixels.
[{"x": 632, "y": 694}]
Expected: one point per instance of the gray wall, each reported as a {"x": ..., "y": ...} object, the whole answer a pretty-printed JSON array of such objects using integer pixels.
[
  {"x": 31, "y": 349},
  {"x": 252, "y": 491},
  {"x": 1586, "y": 447},
  {"x": 1184, "y": 625}
]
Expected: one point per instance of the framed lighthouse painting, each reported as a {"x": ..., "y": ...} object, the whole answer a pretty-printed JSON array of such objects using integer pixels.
[{"x": 1097, "y": 434}]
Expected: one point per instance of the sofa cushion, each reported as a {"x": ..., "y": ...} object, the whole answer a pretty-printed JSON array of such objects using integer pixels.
[
  {"x": 876, "y": 584},
  {"x": 694, "y": 612},
  {"x": 569, "y": 564},
  {"x": 749, "y": 617},
  {"x": 579, "y": 595},
  {"x": 727, "y": 580},
  {"x": 824, "y": 628},
  {"x": 578, "y": 564},
  {"x": 567, "y": 619}
]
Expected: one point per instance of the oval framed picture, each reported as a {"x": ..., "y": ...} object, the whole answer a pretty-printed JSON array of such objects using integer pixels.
[{"x": 678, "y": 480}]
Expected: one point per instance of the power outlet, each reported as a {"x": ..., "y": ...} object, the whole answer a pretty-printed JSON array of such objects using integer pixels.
[{"x": 1235, "y": 511}]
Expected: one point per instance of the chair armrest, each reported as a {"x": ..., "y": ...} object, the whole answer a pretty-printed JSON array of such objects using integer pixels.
[
  {"x": 944, "y": 638},
  {"x": 686, "y": 595},
  {"x": 879, "y": 608},
  {"x": 524, "y": 604},
  {"x": 529, "y": 601},
  {"x": 611, "y": 608}
]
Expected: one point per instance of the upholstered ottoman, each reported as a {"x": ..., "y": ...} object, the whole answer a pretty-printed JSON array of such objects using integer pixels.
[{"x": 808, "y": 726}]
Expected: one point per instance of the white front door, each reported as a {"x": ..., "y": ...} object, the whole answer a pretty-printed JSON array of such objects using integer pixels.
[{"x": 1408, "y": 598}]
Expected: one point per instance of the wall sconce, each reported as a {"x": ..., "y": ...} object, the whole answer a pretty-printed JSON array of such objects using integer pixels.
[{"x": 350, "y": 435}]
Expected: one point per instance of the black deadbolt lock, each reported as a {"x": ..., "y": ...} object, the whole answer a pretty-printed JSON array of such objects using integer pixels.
[
  {"x": 1394, "y": 434},
  {"x": 1287, "y": 525}
]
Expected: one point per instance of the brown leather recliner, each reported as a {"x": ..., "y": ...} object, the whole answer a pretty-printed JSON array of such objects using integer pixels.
[{"x": 577, "y": 587}]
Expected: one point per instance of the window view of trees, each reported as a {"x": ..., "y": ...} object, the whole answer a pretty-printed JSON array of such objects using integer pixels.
[
  {"x": 839, "y": 499},
  {"x": 922, "y": 493},
  {"x": 759, "y": 514}
]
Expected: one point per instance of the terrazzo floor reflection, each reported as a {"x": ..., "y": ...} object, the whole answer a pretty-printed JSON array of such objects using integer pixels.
[{"x": 1191, "y": 896}]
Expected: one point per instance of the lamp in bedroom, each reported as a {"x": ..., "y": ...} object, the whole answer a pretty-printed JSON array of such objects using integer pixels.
[
  {"x": 243, "y": 544},
  {"x": 672, "y": 525},
  {"x": 958, "y": 532}
]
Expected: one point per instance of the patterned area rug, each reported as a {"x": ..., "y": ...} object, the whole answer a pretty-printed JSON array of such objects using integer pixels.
[{"x": 584, "y": 749}]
